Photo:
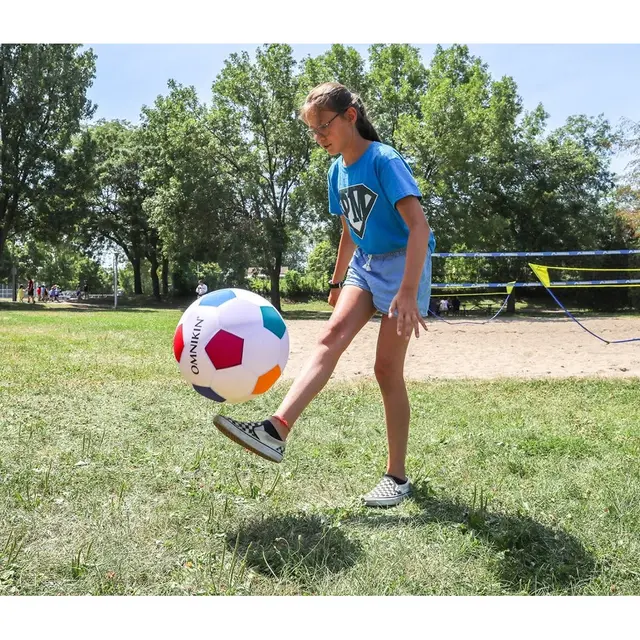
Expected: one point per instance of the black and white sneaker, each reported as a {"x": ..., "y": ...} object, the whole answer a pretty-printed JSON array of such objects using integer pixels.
[
  {"x": 252, "y": 436},
  {"x": 387, "y": 493}
]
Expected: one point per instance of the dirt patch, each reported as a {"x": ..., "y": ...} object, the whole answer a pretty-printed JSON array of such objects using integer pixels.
[{"x": 513, "y": 347}]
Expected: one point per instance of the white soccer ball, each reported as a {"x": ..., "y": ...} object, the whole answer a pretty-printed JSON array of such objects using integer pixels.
[{"x": 231, "y": 345}]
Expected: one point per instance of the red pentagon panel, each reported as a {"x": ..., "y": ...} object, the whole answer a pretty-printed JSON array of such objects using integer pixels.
[
  {"x": 178, "y": 343},
  {"x": 225, "y": 350}
]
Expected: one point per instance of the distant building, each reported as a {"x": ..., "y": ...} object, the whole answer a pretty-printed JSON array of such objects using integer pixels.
[{"x": 254, "y": 272}]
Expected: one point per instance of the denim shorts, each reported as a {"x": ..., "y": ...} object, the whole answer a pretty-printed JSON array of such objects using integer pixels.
[{"x": 381, "y": 274}]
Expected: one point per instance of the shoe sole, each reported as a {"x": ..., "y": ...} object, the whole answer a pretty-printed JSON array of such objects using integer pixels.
[
  {"x": 386, "y": 502},
  {"x": 249, "y": 443}
]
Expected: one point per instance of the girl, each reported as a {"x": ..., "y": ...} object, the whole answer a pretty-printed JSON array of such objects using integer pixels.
[{"x": 386, "y": 245}]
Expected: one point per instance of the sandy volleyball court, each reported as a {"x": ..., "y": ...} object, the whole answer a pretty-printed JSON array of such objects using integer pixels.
[{"x": 512, "y": 347}]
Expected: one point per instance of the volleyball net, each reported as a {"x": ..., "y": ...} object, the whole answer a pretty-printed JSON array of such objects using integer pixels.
[{"x": 457, "y": 298}]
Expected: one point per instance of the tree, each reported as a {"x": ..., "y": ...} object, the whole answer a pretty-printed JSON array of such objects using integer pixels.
[
  {"x": 628, "y": 190},
  {"x": 396, "y": 80},
  {"x": 50, "y": 262},
  {"x": 630, "y": 142},
  {"x": 114, "y": 213},
  {"x": 462, "y": 145},
  {"x": 339, "y": 64},
  {"x": 491, "y": 178},
  {"x": 261, "y": 150},
  {"x": 565, "y": 188},
  {"x": 181, "y": 168},
  {"x": 42, "y": 104},
  {"x": 191, "y": 200}
]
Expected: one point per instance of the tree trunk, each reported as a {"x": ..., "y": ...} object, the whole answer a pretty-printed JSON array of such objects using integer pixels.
[
  {"x": 7, "y": 215},
  {"x": 155, "y": 281},
  {"x": 275, "y": 281},
  {"x": 165, "y": 276},
  {"x": 3, "y": 238},
  {"x": 137, "y": 275}
]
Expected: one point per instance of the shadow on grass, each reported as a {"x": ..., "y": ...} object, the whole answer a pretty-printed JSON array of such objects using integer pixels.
[
  {"x": 531, "y": 557},
  {"x": 297, "y": 547}
]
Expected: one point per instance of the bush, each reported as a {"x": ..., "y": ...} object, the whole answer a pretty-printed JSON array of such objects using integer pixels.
[
  {"x": 261, "y": 286},
  {"x": 322, "y": 261},
  {"x": 212, "y": 275},
  {"x": 293, "y": 286}
]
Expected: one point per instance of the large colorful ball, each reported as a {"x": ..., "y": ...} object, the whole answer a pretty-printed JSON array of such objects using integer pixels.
[{"x": 231, "y": 345}]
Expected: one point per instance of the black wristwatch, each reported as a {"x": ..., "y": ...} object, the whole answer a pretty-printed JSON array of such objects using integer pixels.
[{"x": 335, "y": 285}]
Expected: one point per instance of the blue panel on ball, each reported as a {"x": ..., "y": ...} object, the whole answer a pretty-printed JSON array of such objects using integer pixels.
[
  {"x": 216, "y": 298},
  {"x": 272, "y": 321},
  {"x": 209, "y": 393}
]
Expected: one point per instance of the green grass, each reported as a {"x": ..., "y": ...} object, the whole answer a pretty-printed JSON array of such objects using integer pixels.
[{"x": 114, "y": 481}]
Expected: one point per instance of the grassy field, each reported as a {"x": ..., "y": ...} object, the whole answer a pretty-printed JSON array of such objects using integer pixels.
[{"x": 113, "y": 479}]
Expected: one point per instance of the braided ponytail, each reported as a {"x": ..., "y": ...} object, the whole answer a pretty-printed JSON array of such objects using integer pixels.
[{"x": 363, "y": 124}]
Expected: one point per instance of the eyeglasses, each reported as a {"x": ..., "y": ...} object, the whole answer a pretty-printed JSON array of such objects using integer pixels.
[{"x": 322, "y": 129}]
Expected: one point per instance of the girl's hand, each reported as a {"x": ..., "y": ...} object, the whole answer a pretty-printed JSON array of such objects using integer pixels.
[
  {"x": 409, "y": 318},
  {"x": 333, "y": 296}
]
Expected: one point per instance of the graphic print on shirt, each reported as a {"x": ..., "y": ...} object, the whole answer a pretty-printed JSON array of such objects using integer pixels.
[{"x": 357, "y": 202}]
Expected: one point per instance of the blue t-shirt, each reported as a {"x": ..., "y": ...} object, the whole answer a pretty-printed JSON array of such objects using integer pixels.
[{"x": 366, "y": 193}]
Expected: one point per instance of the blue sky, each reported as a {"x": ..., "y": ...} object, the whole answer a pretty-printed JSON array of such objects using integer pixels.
[{"x": 567, "y": 79}]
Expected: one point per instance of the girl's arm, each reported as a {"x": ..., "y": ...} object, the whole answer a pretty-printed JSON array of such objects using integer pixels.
[
  {"x": 345, "y": 252},
  {"x": 419, "y": 232},
  {"x": 405, "y": 302}
]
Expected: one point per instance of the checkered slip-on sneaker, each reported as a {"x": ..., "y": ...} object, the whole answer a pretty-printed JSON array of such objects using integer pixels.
[
  {"x": 252, "y": 436},
  {"x": 387, "y": 493}
]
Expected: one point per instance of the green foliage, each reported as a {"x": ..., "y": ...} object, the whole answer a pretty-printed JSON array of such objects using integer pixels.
[
  {"x": 69, "y": 270},
  {"x": 261, "y": 286},
  {"x": 42, "y": 103},
  {"x": 293, "y": 283},
  {"x": 465, "y": 269},
  {"x": 116, "y": 212},
  {"x": 212, "y": 274},
  {"x": 456, "y": 145},
  {"x": 261, "y": 148},
  {"x": 295, "y": 255},
  {"x": 190, "y": 204},
  {"x": 127, "y": 278},
  {"x": 491, "y": 179},
  {"x": 235, "y": 182},
  {"x": 322, "y": 260},
  {"x": 293, "y": 286},
  {"x": 339, "y": 64},
  {"x": 628, "y": 192},
  {"x": 396, "y": 79},
  {"x": 53, "y": 262},
  {"x": 114, "y": 215}
]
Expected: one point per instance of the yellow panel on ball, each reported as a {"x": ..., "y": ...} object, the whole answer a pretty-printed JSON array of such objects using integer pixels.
[{"x": 267, "y": 380}]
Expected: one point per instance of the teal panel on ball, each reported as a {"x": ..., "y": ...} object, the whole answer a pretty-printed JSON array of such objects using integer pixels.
[
  {"x": 272, "y": 321},
  {"x": 216, "y": 298}
]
